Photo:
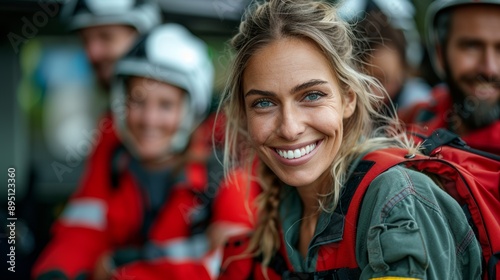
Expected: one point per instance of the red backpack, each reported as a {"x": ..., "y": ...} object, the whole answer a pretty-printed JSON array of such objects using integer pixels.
[{"x": 470, "y": 176}]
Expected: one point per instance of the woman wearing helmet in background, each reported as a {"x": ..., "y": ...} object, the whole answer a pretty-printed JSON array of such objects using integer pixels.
[
  {"x": 390, "y": 48},
  {"x": 384, "y": 58},
  {"x": 163, "y": 215}
]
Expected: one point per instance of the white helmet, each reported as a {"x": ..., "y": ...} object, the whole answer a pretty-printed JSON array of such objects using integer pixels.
[
  {"x": 436, "y": 34},
  {"x": 140, "y": 14},
  {"x": 170, "y": 54}
]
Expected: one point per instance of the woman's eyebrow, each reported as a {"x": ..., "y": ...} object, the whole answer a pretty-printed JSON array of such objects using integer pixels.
[
  {"x": 260, "y": 92},
  {"x": 308, "y": 84}
]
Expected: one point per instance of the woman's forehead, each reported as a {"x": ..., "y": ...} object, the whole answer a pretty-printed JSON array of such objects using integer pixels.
[{"x": 287, "y": 60}]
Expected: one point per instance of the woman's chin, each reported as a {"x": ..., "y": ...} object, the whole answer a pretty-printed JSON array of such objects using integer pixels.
[{"x": 294, "y": 180}]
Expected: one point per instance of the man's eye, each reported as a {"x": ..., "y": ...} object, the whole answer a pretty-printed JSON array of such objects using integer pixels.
[
  {"x": 470, "y": 45},
  {"x": 262, "y": 103}
]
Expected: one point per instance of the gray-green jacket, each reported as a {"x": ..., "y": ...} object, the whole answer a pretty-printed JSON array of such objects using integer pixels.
[{"x": 408, "y": 229}]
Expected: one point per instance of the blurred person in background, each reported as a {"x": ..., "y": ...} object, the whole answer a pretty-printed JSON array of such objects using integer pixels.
[
  {"x": 150, "y": 208},
  {"x": 108, "y": 29},
  {"x": 58, "y": 98},
  {"x": 383, "y": 56},
  {"x": 463, "y": 38}
]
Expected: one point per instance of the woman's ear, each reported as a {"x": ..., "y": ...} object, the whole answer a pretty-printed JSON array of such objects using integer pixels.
[{"x": 350, "y": 100}]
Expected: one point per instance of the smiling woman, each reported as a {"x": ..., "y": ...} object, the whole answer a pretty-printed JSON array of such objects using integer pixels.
[
  {"x": 297, "y": 106},
  {"x": 154, "y": 112}
]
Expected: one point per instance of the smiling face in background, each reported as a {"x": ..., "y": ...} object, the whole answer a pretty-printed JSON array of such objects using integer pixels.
[
  {"x": 295, "y": 110},
  {"x": 472, "y": 60},
  {"x": 473, "y": 50},
  {"x": 154, "y": 111}
]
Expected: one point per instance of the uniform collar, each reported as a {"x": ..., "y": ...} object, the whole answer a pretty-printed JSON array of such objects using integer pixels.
[{"x": 330, "y": 226}]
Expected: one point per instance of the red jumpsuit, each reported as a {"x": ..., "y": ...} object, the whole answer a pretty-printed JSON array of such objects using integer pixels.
[
  {"x": 104, "y": 216},
  {"x": 438, "y": 113}
]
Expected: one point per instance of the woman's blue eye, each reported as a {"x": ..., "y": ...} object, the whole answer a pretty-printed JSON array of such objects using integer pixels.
[
  {"x": 313, "y": 96},
  {"x": 262, "y": 103}
]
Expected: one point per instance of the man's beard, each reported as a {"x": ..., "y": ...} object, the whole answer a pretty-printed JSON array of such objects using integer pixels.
[{"x": 474, "y": 112}]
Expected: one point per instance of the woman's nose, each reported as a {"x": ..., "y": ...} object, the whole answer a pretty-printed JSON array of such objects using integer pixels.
[{"x": 290, "y": 125}]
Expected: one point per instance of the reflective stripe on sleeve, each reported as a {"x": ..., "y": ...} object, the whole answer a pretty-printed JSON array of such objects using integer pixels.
[
  {"x": 85, "y": 212},
  {"x": 213, "y": 263},
  {"x": 179, "y": 249}
]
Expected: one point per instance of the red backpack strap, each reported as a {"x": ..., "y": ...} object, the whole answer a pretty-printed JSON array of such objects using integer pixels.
[
  {"x": 372, "y": 165},
  {"x": 376, "y": 163},
  {"x": 339, "y": 260},
  {"x": 249, "y": 267}
]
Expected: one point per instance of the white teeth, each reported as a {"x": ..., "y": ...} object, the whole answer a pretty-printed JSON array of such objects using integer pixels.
[{"x": 297, "y": 153}]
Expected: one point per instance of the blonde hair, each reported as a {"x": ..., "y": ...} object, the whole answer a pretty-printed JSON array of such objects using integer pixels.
[{"x": 263, "y": 23}]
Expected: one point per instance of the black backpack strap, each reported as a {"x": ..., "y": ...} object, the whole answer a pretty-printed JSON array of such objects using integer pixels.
[
  {"x": 438, "y": 138},
  {"x": 441, "y": 137},
  {"x": 333, "y": 274},
  {"x": 119, "y": 162},
  {"x": 349, "y": 273},
  {"x": 352, "y": 185},
  {"x": 215, "y": 173},
  {"x": 492, "y": 263},
  {"x": 278, "y": 264}
]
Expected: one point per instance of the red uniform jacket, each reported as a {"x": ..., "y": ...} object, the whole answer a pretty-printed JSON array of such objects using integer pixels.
[
  {"x": 101, "y": 217},
  {"x": 438, "y": 113}
]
